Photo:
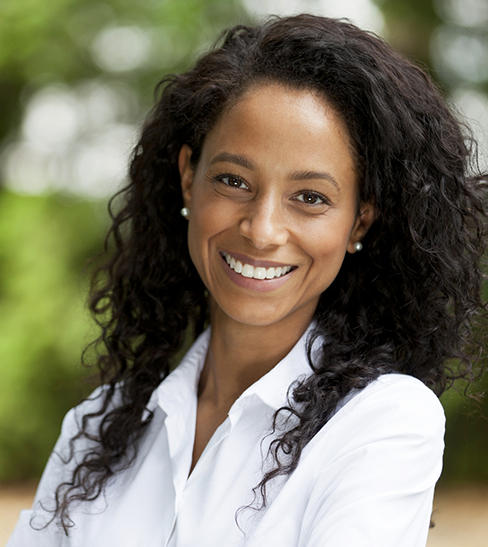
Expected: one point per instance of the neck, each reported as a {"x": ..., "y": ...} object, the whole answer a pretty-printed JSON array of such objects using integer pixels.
[{"x": 240, "y": 354}]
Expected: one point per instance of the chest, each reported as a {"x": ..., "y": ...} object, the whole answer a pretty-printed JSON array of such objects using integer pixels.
[
  {"x": 158, "y": 503},
  {"x": 208, "y": 420}
]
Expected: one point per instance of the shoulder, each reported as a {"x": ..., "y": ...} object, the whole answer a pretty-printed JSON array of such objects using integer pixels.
[
  {"x": 403, "y": 396},
  {"x": 397, "y": 400},
  {"x": 399, "y": 394},
  {"x": 371, "y": 470},
  {"x": 91, "y": 406},
  {"x": 395, "y": 411},
  {"x": 387, "y": 437},
  {"x": 69, "y": 450}
]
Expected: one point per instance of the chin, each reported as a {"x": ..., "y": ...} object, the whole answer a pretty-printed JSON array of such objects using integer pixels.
[{"x": 249, "y": 315}]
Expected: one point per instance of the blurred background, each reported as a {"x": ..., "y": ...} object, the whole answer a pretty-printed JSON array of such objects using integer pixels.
[{"x": 76, "y": 81}]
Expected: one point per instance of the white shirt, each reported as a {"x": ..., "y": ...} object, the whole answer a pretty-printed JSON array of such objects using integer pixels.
[{"x": 366, "y": 479}]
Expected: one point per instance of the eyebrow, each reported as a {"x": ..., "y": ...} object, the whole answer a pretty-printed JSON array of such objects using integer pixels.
[
  {"x": 311, "y": 175},
  {"x": 234, "y": 158},
  {"x": 296, "y": 175}
]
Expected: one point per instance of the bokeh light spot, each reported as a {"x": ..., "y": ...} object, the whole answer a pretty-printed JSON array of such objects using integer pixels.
[{"x": 120, "y": 49}]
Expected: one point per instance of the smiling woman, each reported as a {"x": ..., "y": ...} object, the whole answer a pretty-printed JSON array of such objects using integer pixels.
[
  {"x": 275, "y": 187},
  {"x": 302, "y": 206}
]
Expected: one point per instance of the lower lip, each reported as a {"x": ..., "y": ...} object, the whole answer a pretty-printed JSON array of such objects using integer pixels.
[{"x": 260, "y": 285}]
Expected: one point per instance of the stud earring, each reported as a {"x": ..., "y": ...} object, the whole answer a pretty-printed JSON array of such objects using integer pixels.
[
  {"x": 185, "y": 212},
  {"x": 358, "y": 246}
]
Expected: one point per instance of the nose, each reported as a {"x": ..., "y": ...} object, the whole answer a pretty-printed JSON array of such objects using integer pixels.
[{"x": 264, "y": 223}]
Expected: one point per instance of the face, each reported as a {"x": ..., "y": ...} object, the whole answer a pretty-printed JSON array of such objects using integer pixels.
[{"x": 273, "y": 205}]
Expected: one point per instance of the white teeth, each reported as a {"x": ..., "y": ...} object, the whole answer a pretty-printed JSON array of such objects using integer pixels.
[
  {"x": 255, "y": 272},
  {"x": 247, "y": 270}
]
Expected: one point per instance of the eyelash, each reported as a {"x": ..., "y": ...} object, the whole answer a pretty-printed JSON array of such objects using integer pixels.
[{"x": 311, "y": 193}]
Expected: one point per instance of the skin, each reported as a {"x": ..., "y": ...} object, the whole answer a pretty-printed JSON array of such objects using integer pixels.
[{"x": 275, "y": 182}]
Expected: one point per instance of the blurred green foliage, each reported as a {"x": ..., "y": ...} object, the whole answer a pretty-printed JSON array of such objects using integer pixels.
[
  {"x": 44, "y": 245},
  {"x": 465, "y": 456},
  {"x": 50, "y": 41},
  {"x": 45, "y": 241},
  {"x": 410, "y": 25}
]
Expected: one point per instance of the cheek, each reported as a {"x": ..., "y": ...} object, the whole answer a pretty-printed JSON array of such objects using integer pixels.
[
  {"x": 195, "y": 242},
  {"x": 328, "y": 252},
  {"x": 205, "y": 223},
  {"x": 327, "y": 240},
  {"x": 212, "y": 217}
]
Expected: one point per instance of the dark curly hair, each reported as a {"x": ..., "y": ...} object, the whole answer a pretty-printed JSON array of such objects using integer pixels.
[{"x": 408, "y": 303}]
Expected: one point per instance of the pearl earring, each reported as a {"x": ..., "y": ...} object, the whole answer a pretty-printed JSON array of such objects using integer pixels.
[
  {"x": 185, "y": 212},
  {"x": 358, "y": 246}
]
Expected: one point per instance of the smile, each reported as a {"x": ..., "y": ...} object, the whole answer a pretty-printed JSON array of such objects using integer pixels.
[{"x": 255, "y": 272}]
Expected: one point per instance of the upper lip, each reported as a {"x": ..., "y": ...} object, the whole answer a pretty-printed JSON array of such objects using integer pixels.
[{"x": 243, "y": 259}]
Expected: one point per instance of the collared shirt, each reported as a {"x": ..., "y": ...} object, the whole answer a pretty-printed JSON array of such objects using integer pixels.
[{"x": 366, "y": 479}]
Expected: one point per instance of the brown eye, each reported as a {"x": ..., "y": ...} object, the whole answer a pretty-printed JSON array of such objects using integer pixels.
[
  {"x": 310, "y": 198},
  {"x": 232, "y": 181}
]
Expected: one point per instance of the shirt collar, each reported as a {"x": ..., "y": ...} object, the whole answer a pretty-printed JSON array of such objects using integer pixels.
[
  {"x": 273, "y": 387},
  {"x": 181, "y": 386}
]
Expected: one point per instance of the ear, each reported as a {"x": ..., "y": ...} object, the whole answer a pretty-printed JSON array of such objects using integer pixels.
[
  {"x": 186, "y": 173},
  {"x": 365, "y": 218}
]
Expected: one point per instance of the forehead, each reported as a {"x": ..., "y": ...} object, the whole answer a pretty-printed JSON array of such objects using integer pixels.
[
  {"x": 283, "y": 127},
  {"x": 306, "y": 105}
]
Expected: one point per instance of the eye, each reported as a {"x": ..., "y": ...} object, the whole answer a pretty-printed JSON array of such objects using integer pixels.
[
  {"x": 233, "y": 181},
  {"x": 312, "y": 198}
]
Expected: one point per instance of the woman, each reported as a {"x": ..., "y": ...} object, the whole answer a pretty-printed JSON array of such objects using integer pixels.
[{"x": 305, "y": 193}]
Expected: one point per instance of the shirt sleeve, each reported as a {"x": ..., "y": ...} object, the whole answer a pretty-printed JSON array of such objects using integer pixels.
[{"x": 376, "y": 490}]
